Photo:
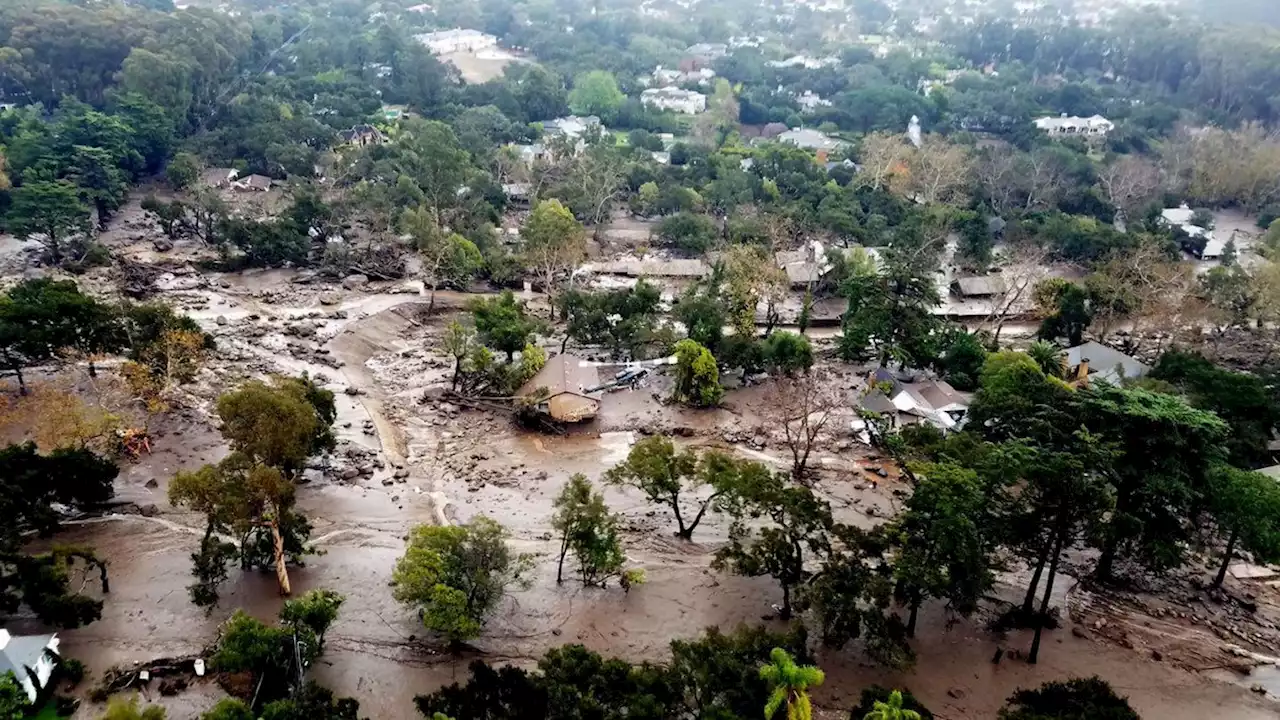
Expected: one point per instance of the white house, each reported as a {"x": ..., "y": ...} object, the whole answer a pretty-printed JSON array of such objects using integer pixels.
[
  {"x": 572, "y": 126},
  {"x": 804, "y": 61},
  {"x": 810, "y": 139},
  {"x": 933, "y": 402},
  {"x": 674, "y": 99},
  {"x": 811, "y": 101},
  {"x": 31, "y": 659},
  {"x": 457, "y": 40},
  {"x": 1180, "y": 217},
  {"x": 1064, "y": 126}
]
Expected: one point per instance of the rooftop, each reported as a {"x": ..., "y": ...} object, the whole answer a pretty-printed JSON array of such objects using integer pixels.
[
  {"x": 811, "y": 139},
  {"x": 1106, "y": 363},
  {"x": 563, "y": 374}
]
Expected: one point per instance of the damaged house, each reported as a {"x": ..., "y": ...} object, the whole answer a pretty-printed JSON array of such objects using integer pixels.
[{"x": 565, "y": 389}]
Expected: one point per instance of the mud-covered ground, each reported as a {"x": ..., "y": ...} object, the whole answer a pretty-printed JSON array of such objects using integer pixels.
[{"x": 403, "y": 460}]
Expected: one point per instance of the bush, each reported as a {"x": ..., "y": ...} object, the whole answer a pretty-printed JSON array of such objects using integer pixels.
[
  {"x": 1078, "y": 699},
  {"x": 73, "y": 670}
]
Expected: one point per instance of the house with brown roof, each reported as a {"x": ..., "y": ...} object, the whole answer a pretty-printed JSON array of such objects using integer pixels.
[{"x": 564, "y": 389}]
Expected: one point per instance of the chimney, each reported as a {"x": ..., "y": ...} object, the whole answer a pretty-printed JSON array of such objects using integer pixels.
[{"x": 1082, "y": 373}]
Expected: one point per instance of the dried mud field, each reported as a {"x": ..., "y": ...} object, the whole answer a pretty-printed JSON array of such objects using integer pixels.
[{"x": 406, "y": 458}]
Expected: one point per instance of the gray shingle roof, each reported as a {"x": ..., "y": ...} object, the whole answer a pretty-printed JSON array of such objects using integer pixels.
[{"x": 1106, "y": 363}]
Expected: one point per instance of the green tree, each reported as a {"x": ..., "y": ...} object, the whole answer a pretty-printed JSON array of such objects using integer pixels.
[
  {"x": 1164, "y": 451},
  {"x": 183, "y": 171},
  {"x": 170, "y": 216},
  {"x": 890, "y": 315},
  {"x": 312, "y": 702},
  {"x": 40, "y": 318},
  {"x": 50, "y": 212},
  {"x": 1242, "y": 400},
  {"x": 596, "y": 93},
  {"x": 892, "y": 708},
  {"x": 30, "y": 486},
  {"x": 428, "y": 153},
  {"x": 692, "y": 233},
  {"x": 456, "y": 575},
  {"x": 120, "y": 708},
  {"x": 553, "y": 244},
  {"x": 622, "y": 320},
  {"x": 962, "y": 360},
  {"x": 665, "y": 476},
  {"x": 102, "y": 184},
  {"x": 790, "y": 683},
  {"x": 272, "y": 430},
  {"x": 1013, "y": 390},
  {"x": 1077, "y": 699},
  {"x": 315, "y": 610},
  {"x": 1066, "y": 310},
  {"x": 697, "y": 376},
  {"x": 278, "y": 425},
  {"x": 252, "y": 503},
  {"x": 271, "y": 654},
  {"x": 798, "y": 524},
  {"x": 946, "y": 543},
  {"x": 703, "y": 316},
  {"x": 589, "y": 531},
  {"x": 459, "y": 341},
  {"x": 1246, "y": 507},
  {"x": 787, "y": 352},
  {"x": 502, "y": 324}
]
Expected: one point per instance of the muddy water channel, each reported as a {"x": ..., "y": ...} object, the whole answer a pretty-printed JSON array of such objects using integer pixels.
[{"x": 432, "y": 462}]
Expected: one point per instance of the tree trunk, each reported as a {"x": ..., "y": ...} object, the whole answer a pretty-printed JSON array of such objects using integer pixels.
[
  {"x": 681, "y": 531},
  {"x": 431, "y": 304},
  {"x": 282, "y": 573},
  {"x": 93, "y": 369},
  {"x": 701, "y": 512},
  {"x": 785, "y": 614},
  {"x": 1107, "y": 560},
  {"x": 911, "y": 619},
  {"x": 1029, "y": 601},
  {"x": 1034, "y": 655},
  {"x": 22, "y": 382},
  {"x": 457, "y": 370},
  {"x": 564, "y": 550},
  {"x": 1226, "y": 559}
]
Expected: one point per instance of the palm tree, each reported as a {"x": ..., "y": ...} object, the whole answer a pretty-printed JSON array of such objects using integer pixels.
[
  {"x": 790, "y": 683},
  {"x": 891, "y": 709},
  {"x": 1048, "y": 356}
]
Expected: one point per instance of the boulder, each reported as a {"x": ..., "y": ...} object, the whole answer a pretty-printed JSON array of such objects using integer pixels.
[
  {"x": 355, "y": 282},
  {"x": 329, "y": 298}
]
